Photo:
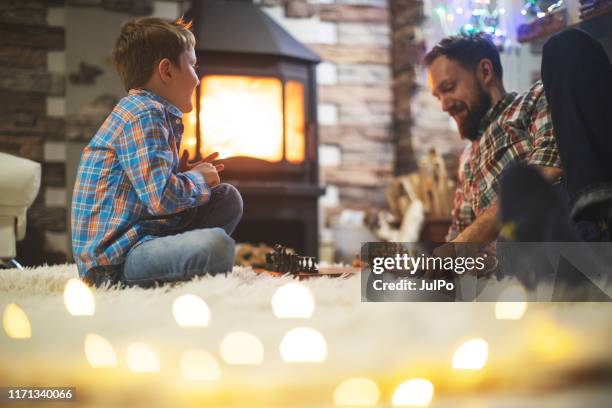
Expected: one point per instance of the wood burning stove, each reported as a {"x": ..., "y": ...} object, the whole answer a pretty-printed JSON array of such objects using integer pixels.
[{"x": 256, "y": 106}]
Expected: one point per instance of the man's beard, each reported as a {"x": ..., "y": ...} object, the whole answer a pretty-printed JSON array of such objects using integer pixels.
[{"x": 470, "y": 126}]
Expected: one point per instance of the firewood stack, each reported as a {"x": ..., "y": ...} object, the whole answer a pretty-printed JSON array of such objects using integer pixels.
[{"x": 412, "y": 197}]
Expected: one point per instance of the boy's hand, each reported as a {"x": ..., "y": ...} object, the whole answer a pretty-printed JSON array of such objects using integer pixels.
[
  {"x": 184, "y": 164},
  {"x": 209, "y": 172}
]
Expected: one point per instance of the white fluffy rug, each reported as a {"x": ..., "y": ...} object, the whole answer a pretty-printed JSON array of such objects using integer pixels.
[{"x": 544, "y": 359}]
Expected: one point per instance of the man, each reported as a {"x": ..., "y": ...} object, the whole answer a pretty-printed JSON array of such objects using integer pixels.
[{"x": 465, "y": 75}]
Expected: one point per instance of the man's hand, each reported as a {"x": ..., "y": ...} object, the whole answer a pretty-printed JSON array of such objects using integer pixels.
[{"x": 205, "y": 167}]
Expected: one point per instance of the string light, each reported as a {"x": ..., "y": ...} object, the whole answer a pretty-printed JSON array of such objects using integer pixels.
[{"x": 481, "y": 16}]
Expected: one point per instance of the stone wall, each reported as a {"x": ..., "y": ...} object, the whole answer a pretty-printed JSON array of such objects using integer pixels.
[
  {"x": 355, "y": 95},
  {"x": 32, "y": 88}
]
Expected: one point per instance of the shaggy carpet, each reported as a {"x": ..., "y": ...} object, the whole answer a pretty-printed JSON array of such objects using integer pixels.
[{"x": 556, "y": 355}]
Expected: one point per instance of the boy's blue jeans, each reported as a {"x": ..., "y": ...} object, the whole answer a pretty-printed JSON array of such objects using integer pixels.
[{"x": 201, "y": 244}]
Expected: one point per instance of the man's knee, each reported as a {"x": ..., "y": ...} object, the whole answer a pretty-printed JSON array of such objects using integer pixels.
[{"x": 568, "y": 49}]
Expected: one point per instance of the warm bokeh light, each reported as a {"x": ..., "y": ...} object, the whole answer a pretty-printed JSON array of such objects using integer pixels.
[
  {"x": 357, "y": 392},
  {"x": 99, "y": 352},
  {"x": 141, "y": 358},
  {"x": 16, "y": 323},
  {"x": 190, "y": 311},
  {"x": 303, "y": 345},
  {"x": 78, "y": 298},
  {"x": 551, "y": 341},
  {"x": 512, "y": 304},
  {"x": 241, "y": 348},
  {"x": 416, "y": 392},
  {"x": 293, "y": 300},
  {"x": 471, "y": 355},
  {"x": 198, "y": 365}
]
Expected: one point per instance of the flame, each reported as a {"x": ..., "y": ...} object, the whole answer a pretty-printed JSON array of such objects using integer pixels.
[
  {"x": 295, "y": 121},
  {"x": 471, "y": 355},
  {"x": 243, "y": 116},
  {"x": 357, "y": 392},
  {"x": 16, "y": 323},
  {"x": 197, "y": 365},
  {"x": 99, "y": 351},
  {"x": 293, "y": 300},
  {"x": 303, "y": 345},
  {"x": 78, "y": 298},
  {"x": 190, "y": 311},
  {"x": 188, "y": 141},
  {"x": 141, "y": 358},
  {"x": 241, "y": 348},
  {"x": 416, "y": 392}
]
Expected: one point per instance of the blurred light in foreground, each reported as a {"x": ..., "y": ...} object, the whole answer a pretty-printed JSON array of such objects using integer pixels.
[
  {"x": 417, "y": 392},
  {"x": 553, "y": 342},
  {"x": 197, "y": 365},
  {"x": 78, "y": 298},
  {"x": 141, "y": 358},
  {"x": 303, "y": 345},
  {"x": 511, "y": 304},
  {"x": 471, "y": 355},
  {"x": 357, "y": 392},
  {"x": 99, "y": 352},
  {"x": 293, "y": 300},
  {"x": 16, "y": 323},
  {"x": 190, "y": 311},
  {"x": 241, "y": 348}
]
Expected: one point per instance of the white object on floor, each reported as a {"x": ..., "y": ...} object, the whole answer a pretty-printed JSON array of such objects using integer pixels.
[{"x": 19, "y": 184}]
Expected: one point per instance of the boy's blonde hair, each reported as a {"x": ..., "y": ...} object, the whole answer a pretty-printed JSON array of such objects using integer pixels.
[{"x": 144, "y": 42}]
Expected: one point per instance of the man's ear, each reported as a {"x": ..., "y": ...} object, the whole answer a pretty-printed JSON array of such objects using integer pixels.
[
  {"x": 164, "y": 69},
  {"x": 485, "y": 71}
]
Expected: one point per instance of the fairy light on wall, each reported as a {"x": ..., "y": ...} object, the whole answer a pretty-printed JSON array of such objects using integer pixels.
[
  {"x": 478, "y": 16},
  {"x": 541, "y": 8}
]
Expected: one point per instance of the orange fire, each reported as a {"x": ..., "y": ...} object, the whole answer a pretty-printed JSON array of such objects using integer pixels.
[{"x": 243, "y": 116}]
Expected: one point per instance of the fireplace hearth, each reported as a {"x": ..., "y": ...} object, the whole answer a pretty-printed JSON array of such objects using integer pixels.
[{"x": 256, "y": 106}]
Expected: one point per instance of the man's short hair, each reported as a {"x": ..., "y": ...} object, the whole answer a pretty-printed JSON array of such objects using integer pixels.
[
  {"x": 468, "y": 50},
  {"x": 144, "y": 42}
]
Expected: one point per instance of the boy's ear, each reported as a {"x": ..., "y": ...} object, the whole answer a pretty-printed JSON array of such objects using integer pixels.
[{"x": 164, "y": 69}]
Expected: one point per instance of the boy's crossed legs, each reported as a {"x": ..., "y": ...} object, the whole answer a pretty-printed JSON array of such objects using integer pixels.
[{"x": 200, "y": 245}]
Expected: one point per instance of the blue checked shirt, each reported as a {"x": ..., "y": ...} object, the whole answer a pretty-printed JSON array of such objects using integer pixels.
[{"x": 128, "y": 188}]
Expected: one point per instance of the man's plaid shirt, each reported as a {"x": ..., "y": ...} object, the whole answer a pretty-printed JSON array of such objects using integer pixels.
[
  {"x": 517, "y": 128},
  {"x": 127, "y": 178}
]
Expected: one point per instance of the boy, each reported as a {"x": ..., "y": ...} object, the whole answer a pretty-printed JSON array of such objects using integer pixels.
[{"x": 141, "y": 215}]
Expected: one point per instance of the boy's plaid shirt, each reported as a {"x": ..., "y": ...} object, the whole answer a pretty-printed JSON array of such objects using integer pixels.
[
  {"x": 518, "y": 128},
  {"x": 127, "y": 178}
]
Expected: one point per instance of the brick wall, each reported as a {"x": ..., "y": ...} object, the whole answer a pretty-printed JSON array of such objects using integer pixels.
[
  {"x": 355, "y": 95},
  {"x": 32, "y": 115}
]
